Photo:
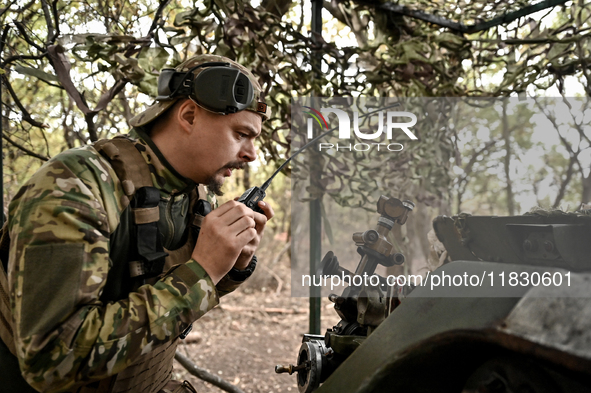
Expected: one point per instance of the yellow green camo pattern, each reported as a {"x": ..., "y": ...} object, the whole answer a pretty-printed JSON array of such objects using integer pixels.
[{"x": 60, "y": 222}]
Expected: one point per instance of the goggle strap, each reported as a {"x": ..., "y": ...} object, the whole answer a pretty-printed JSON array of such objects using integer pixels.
[{"x": 184, "y": 80}]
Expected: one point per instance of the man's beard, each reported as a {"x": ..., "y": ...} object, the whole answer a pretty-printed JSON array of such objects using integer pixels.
[{"x": 214, "y": 185}]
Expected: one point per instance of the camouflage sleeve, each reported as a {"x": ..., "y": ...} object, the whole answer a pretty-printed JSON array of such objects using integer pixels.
[
  {"x": 60, "y": 223},
  {"x": 226, "y": 285}
]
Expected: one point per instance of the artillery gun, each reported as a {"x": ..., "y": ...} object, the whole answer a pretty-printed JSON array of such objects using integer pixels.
[{"x": 509, "y": 312}]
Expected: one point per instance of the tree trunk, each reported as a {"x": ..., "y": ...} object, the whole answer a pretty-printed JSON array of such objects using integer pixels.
[
  {"x": 507, "y": 161},
  {"x": 564, "y": 184}
]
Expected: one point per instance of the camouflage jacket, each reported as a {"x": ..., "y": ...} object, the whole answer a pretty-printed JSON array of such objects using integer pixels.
[{"x": 62, "y": 223}]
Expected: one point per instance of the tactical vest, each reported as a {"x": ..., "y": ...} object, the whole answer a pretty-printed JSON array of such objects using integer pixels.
[{"x": 138, "y": 255}]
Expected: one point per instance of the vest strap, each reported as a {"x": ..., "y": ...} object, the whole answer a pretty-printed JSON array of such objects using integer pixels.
[
  {"x": 149, "y": 244},
  {"x": 131, "y": 170},
  {"x": 136, "y": 181},
  {"x": 146, "y": 215}
]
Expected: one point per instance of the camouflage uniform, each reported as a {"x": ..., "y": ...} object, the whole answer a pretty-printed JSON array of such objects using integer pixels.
[{"x": 64, "y": 225}]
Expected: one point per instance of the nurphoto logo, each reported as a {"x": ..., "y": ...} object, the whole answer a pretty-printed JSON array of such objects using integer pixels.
[{"x": 344, "y": 127}]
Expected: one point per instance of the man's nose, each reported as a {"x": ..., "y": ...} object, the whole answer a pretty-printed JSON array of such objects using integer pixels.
[{"x": 249, "y": 152}]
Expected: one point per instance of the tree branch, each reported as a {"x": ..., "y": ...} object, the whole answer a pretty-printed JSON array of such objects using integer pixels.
[
  {"x": 529, "y": 41},
  {"x": 352, "y": 20},
  {"x": 24, "y": 149},
  {"x": 126, "y": 109},
  {"x": 463, "y": 180},
  {"x": 163, "y": 4},
  {"x": 3, "y": 10},
  {"x": 26, "y": 37},
  {"x": 580, "y": 130},
  {"x": 26, "y": 115},
  {"x": 62, "y": 69},
  {"x": 276, "y": 7},
  {"x": 92, "y": 131},
  {"x": 301, "y": 24},
  {"x": 26, "y": 6},
  {"x": 205, "y": 375},
  {"x": 477, "y": 154},
  {"x": 61, "y": 65},
  {"x": 22, "y": 57},
  {"x": 57, "y": 22},
  {"x": 50, "y": 29},
  {"x": 3, "y": 39},
  {"x": 564, "y": 182},
  {"x": 437, "y": 20}
]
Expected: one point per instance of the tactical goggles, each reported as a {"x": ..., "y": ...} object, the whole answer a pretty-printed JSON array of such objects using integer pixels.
[{"x": 219, "y": 88}]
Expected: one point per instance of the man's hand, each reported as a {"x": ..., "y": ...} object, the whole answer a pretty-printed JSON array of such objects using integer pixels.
[
  {"x": 225, "y": 233},
  {"x": 249, "y": 250}
]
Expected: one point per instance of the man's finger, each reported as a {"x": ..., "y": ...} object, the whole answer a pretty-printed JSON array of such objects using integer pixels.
[
  {"x": 242, "y": 225},
  {"x": 247, "y": 235},
  {"x": 267, "y": 209},
  {"x": 233, "y": 212}
]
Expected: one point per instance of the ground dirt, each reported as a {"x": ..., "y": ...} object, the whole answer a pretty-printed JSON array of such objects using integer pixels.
[{"x": 253, "y": 329}]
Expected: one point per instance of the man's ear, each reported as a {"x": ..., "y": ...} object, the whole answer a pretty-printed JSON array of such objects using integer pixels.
[{"x": 186, "y": 115}]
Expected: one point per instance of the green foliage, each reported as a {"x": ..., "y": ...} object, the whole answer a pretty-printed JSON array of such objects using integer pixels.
[
  {"x": 114, "y": 51},
  {"x": 545, "y": 164}
]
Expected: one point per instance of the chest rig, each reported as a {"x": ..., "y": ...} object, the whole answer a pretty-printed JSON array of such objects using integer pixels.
[
  {"x": 154, "y": 232},
  {"x": 138, "y": 253}
]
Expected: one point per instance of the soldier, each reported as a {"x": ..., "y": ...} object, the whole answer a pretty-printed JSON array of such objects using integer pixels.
[{"x": 104, "y": 272}]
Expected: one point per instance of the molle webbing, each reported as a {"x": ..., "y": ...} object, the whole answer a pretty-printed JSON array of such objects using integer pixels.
[{"x": 149, "y": 373}]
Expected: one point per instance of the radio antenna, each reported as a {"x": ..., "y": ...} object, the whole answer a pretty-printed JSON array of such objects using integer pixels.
[{"x": 268, "y": 182}]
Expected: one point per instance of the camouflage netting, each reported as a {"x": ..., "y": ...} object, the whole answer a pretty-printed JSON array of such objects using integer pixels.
[
  {"x": 539, "y": 211},
  {"x": 406, "y": 49}
]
